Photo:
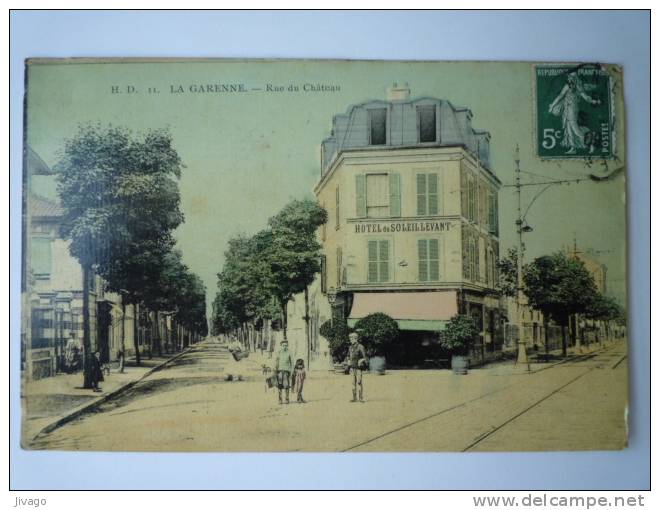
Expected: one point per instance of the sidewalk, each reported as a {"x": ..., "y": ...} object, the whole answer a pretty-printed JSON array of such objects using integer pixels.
[
  {"x": 540, "y": 361},
  {"x": 47, "y": 401}
]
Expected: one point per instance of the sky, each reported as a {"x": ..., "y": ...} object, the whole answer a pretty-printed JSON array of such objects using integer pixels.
[{"x": 247, "y": 154}]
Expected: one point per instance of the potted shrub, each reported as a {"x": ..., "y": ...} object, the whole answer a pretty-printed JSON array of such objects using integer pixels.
[
  {"x": 336, "y": 333},
  {"x": 457, "y": 338},
  {"x": 377, "y": 332}
]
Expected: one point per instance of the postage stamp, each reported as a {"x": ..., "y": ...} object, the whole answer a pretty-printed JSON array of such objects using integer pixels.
[{"x": 574, "y": 115}]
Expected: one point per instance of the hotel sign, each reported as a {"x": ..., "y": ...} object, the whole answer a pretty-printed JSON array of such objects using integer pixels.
[{"x": 402, "y": 226}]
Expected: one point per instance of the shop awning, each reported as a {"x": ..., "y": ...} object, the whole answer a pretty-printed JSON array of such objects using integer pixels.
[{"x": 417, "y": 311}]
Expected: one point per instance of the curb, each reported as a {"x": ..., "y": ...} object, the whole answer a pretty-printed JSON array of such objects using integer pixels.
[
  {"x": 577, "y": 357},
  {"x": 101, "y": 400}
]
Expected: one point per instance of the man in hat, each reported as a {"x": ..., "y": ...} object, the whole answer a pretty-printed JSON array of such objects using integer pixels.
[
  {"x": 357, "y": 362},
  {"x": 96, "y": 371},
  {"x": 283, "y": 368}
]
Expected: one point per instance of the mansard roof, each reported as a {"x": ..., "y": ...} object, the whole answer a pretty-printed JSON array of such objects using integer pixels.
[{"x": 350, "y": 130}]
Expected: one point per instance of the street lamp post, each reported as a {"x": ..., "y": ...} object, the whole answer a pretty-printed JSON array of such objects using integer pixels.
[
  {"x": 522, "y": 228},
  {"x": 522, "y": 347}
]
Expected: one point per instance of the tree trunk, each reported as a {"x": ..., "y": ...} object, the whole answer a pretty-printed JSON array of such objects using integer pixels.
[
  {"x": 122, "y": 354},
  {"x": 87, "y": 341},
  {"x": 546, "y": 336},
  {"x": 307, "y": 332},
  {"x": 269, "y": 337},
  {"x": 261, "y": 337},
  {"x": 150, "y": 333},
  {"x": 576, "y": 334},
  {"x": 159, "y": 338},
  {"x": 563, "y": 339},
  {"x": 136, "y": 339},
  {"x": 284, "y": 319}
]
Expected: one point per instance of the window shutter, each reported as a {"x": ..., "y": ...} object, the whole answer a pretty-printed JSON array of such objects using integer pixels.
[
  {"x": 384, "y": 261},
  {"x": 465, "y": 252},
  {"x": 421, "y": 194},
  {"x": 495, "y": 226},
  {"x": 395, "y": 194},
  {"x": 434, "y": 260},
  {"x": 422, "y": 256},
  {"x": 372, "y": 275},
  {"x": 337, "y": 206},
  {"x": 464, "y": 204},
  {"x": 433, "y": 193},
  {"x": 324, "y": 275},
  {"x": 477, "y": 261},
  {"x": 361, "y": 196},
  {"x": 472, "y": 199}
]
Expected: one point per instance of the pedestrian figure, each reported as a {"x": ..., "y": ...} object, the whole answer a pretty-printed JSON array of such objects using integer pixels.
[
  {"x": 96, "y": 371},
  {"x": 283, "y": 367},
  {"x": 299, "y": 379},
  {"x": 357, "y": 362},
  {"x": 72, "y": 354}
]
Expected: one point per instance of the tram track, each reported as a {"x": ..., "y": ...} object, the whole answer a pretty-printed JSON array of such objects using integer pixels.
[{"x": 606, "y": 352}]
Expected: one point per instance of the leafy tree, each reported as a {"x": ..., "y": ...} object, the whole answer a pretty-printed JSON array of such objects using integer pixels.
[
  {"x": 508, "y": 273},
  {"x": 294, "y": 254},
  {"x": 191, "y": 311},
  {"x": 272, "y": 265},
  {"x": 378, "y": 332},
  {"x": 559, "y": 286},
  {"x": 459, "y": 334},
  {"x": 336, "y": 333},
  {"x": 223, "y": 320},
  {"x": 121, "y": 203},
  {"x": 136, "y": 275},
  {"x": 244, "y": 284},
  {"x": 603, "y": 308},
  {"x": 606, "y": 309}
]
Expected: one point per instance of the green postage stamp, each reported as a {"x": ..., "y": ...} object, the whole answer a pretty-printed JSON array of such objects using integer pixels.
[{"x": 574, "y": 115}]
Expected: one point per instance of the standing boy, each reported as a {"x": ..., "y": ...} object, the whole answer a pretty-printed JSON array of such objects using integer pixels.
[{"x": 283, "y": 368}]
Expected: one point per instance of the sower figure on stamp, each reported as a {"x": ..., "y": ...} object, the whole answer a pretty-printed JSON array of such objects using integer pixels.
[
  {"x": 283, "y": 368},
  {"x": 357, "y": 362}
]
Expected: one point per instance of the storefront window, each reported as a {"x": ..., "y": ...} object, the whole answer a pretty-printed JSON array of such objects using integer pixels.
[{"x": 42, "y": 327}]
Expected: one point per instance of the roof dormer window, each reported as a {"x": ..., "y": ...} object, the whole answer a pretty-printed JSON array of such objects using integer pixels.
[
  {"x": 427, "y": 124},
  {"x": 377, "y": 126}
]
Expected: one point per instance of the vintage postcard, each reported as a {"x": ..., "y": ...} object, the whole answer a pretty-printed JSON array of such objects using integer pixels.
[{"x": 309, "y": 255}]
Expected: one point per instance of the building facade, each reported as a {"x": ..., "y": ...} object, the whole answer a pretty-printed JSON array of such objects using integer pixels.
[
  {"x": 52, "y": 294},
  {"x": 413, "y": 219}
]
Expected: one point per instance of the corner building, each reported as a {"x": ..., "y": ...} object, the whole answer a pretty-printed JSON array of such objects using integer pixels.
[{"x": 412, "y": 221}]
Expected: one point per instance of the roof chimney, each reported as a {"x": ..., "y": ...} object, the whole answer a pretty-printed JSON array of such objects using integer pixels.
[{"x": 398, "y": 92}]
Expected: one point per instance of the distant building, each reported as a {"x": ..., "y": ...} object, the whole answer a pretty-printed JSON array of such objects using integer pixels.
[
  {"x": 527, "y": 324},
  {"x": 413, "y": 219},
  {"x": 596, "y": 269}
]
